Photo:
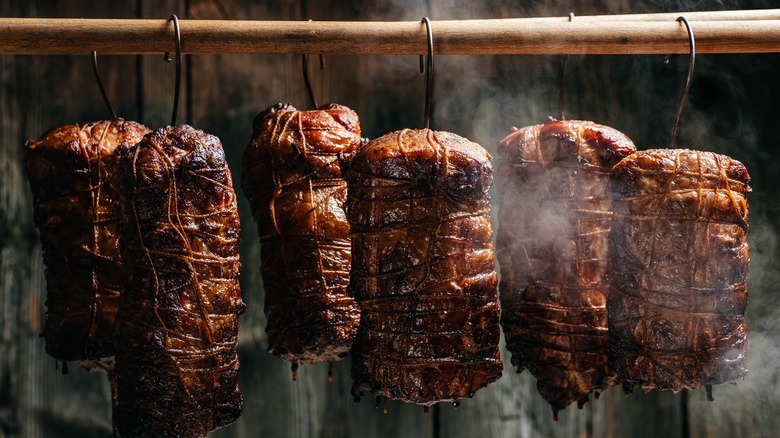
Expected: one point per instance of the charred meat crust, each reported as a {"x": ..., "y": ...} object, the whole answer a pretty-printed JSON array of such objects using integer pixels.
[
  {"x": 292, "y": 178},
  {"x": 177, "y": 323},
  {"x": 554, "y": 217},
  {"x": 680, "y": 263},
  {"x": 423, "y": 269}
]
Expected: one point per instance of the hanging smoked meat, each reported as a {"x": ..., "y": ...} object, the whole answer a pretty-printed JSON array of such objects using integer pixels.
[
  {"x": 554, "y": 219},
  {"x": 293, "y": 181},
  {"x": 72, "y": 171},
  {"x": 423, "y": 270},
  {"x": 177, "y": 323},
  {"x": 680, "y": 265}
]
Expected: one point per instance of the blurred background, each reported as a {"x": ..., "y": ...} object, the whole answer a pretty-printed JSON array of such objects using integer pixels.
[{"x": 731, "y": 109}]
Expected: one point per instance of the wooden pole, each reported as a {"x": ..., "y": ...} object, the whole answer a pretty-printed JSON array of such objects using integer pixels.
[
  {"x": 741, "y": 15},
  {"x": 464, "y": 37}
]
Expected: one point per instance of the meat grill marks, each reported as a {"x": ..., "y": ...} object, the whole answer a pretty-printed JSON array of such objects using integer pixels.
[
  {"x": 552, "y": 247},
  {"x": 177, "y": 323},
  {"x": 293, "y": 181},
  {"x": 680, "y": 263},
  {"x": 423, "y": 270},
  {"x": 72, "y": 173}
]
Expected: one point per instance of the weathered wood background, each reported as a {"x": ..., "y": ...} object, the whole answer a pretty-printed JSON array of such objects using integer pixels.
[{"x": 731, "y": 109}]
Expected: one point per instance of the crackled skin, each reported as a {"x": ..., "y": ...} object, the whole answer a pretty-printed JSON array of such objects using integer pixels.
[
  {"x": 680, "y": 265},
  {"x": 293, "y": 181},
  {"x": 72, "y": 171},
  {"x": 177, "y": 324},
  {"x": 423, "y": 270},
  {"x": 554, "y": 218}
]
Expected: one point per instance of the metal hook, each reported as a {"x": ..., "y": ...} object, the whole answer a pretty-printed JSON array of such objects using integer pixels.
[
  {"x": 684, "y": 95},
  {"x": 309, "y": 91},
  {"x": 305, "y": 65},
  {"x": 167, "y": 58},
  {"x": 562, "y": 86},
  {"x": 100, "y": 84},
  {"x": 429, "y": 77}
]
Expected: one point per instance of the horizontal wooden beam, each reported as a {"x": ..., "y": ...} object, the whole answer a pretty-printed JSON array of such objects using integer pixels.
[
  {"x": 524, "y": 36},
  {"x": 739, "y": 15}
]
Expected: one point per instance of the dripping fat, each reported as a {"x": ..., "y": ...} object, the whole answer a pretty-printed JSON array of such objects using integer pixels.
[{"x": 294, "y": 368}]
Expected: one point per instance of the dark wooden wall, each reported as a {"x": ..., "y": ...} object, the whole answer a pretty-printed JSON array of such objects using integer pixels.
[{"x": 731, "y": 109}]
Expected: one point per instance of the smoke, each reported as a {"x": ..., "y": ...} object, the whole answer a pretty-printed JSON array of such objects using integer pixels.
[
  {"x": 754, "y": 401},
  {"x": 730, "y": 110}
]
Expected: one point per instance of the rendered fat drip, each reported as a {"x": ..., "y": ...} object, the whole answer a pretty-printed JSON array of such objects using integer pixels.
[{"x": 379, "y": 401}]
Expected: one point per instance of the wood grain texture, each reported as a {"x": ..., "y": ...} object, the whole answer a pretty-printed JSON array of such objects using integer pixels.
[
  {"x": 42, "y": 401},
  {"x": 452, "y": 37},
  {"x": 309, "y": 406},
  {"x": 730, "y": 111}
]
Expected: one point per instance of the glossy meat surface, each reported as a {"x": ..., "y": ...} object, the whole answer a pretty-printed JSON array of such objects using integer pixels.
[
  {"x": 554, "y": 218},
  {"x": 423, "y": 269},
  {"x": 177, "y": 324},
  {"x": 294, "y": 184},
  {"x": 72, "y": 171},
  {"x": 680, "y": 265}
]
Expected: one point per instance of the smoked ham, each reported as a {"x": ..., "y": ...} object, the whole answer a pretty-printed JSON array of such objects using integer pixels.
[
  {"x": 177, "y": 324},
  {"x": 423, "y": 270},
  {"x": 72, "y": 171},
  {"x": 293, "y": 181},
  {"x": 679, "y": 270},
  {"x": 554, "y": 217}
]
